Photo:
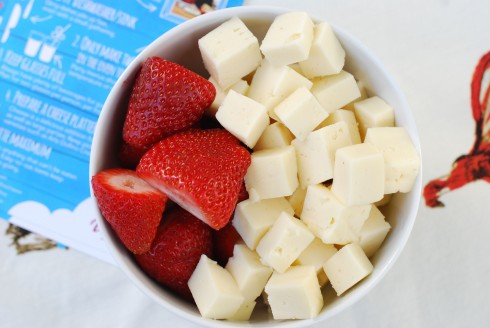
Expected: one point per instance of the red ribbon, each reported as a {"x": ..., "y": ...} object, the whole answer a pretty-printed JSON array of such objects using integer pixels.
[{"x": 476, "y": 164}]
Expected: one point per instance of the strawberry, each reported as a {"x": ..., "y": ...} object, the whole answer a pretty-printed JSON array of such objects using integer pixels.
[
  {"x": 201, "y": 170},
  {"x": 130, "y": 156},
  {"x": 243, "y": 194},
  {"x": 132, "y": 207},
  {"x": 224, "y": 241},
  {"x": 180, "y": 241},
  {"x": 165, "y": 98}
]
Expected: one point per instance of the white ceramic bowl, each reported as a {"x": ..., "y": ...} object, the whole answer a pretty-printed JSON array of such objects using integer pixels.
[{"x": 180, "y": 45}]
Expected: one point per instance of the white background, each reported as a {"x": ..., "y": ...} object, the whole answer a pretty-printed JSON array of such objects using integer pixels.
[{"x": 441, "y": 278}]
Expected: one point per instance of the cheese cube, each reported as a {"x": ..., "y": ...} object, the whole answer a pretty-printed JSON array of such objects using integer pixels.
[
  {"x": 326, "y": 56},
  {"x": 275, "y": 135},
  {"x": 316, "y": 154},
  {"x": 214, "y": 290},
  {"x": 373, "y": 112},
  {"x": 294, "y": 294},
  {"x": 402, "y": 161},
  {"x": 335, "y": 91},
  {"x": 253, "y": 219},
  {"x": 300, "y": 112},
  {"x": 271, "y": 84},
  {"x": 343, "y": 115},
  {"x": 243, "y": 117},
  {"x": 347, "y": 267},
  {"x": 373, "y": 232},
  {"x": 230, "y": 52},
  {"x": 297, "y": 199},
  {"x": 329, "y": 219},
  {"x": 241, "y": 87},
  {"x": 244, "y": 312},
  {"x": 272, "y": 173},
  {"x": 362, "y": 89},
  {"x": 249, "y": 273},
  {"x": 288, "y": 39},
  {"x": 316, "y": 254},
  {"x": 359, "y": 174},
  {"x": 284, "y": 242},
  {"x": 297, "y": 68}
]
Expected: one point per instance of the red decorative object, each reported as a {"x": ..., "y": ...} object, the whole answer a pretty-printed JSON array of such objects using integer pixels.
[{"x": 476, "y": 164}]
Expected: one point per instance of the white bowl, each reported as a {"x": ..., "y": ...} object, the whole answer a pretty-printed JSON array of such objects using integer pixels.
[{"x": 180, "y": 45}]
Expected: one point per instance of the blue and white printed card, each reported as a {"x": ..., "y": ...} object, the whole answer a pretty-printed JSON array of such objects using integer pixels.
[{"x": 58, "y": 62}]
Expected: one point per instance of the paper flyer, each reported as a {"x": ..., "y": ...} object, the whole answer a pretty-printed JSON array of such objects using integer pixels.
[{"x": 58, "y": 62}]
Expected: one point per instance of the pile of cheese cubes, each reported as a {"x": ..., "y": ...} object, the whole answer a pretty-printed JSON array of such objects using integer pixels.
[{"x": 325, "y": 156}]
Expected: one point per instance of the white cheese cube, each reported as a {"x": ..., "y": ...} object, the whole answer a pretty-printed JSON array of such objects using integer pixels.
[
  {"x": 241, "y": 87},
  {"x": 214, "y": 290},
  {"x": 243, "y": 117},
  {"x": 244, "y": 312},
  {"x": 347, "y": 267},
  {"x": 297, "y": 199},
  {"x": 359, "y": 174},
  {"x": 297, "y": 68},
  {"x": 253, "y": 219},
  {"x": 273, "y": 173},
  {"x": 230, "y": 52},
  {"x": 364, "y": 95},
  {"x": 288, "y": 39},
  {"x": 335, "y": 91},
  {"x": 316, "y": 254},
  {"x": 373, "y": 112},
  {"x": 316, "y": 154},
  {"x": 329, "y": 219},
  {"x": 300, "y": 112},
  {"x": 271, "y": 84},
  {"x": 373, "y": 232},
  {"x": 402, "y": 161},
  {"x": 249, "y": 273},
  {"x": 284, "y": 242},
  {"x": 275, "y": 135},
  {"x": 343, "y": 115},
  {"x": 294, "y": 294},
  {"x": 326, "y": 56}
]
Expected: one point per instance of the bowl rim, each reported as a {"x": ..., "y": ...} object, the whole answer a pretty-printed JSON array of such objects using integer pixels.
[{"x": 124, "y": 261}]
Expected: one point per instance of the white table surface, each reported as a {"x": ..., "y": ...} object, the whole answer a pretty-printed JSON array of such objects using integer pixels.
[{"x": 441, "y": 278}]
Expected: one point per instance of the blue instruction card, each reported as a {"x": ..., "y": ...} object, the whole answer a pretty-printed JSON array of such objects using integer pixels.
[{"x": 58, "y": 62}]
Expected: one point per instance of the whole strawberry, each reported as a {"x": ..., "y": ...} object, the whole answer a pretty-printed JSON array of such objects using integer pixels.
[
  {"x": 201, "y": 170},
  {"x": 132, "y": 207},
  {"x": 175, "y": 252},
  {"x": 166, "y": 98}
]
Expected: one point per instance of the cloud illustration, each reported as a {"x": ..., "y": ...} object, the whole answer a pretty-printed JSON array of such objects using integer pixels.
[{"x": 77, "y": 229}]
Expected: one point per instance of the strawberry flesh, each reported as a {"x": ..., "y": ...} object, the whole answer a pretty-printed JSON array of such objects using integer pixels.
[
  {"x": 132, "y": 207},
  {"x": 201, "y": 170},
  {"x": 180, "y": 241},
  {"x": 166, "y": 98}
]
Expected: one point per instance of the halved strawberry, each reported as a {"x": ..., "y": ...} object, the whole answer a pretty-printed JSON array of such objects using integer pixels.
[
  {"x": 166, "y": 98},
  {"x": 132, "y": 207},
  {"x": 201, "y": 170},
  {"x": 180, "y": 241}
]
